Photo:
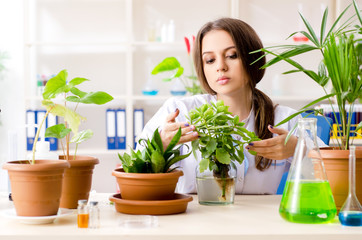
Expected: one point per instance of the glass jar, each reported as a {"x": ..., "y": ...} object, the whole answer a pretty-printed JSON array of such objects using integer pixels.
[
  {"x": 83, "y": 214},
  {"x": 216, "y": 187}
]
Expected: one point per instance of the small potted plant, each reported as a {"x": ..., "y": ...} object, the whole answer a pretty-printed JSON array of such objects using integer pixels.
[
  {"x": 219, "y": 148},
  {"x": 341, "y": 61},
  {"x": 36, "y": 185},
  {"x": 148, "y": 174},
  {"x": 78, "y": 178}
]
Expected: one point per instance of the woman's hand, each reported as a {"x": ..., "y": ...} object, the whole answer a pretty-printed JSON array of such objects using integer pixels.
[
  {"x": 275, "y": 148},
  {"x": 171, "y": 127}
]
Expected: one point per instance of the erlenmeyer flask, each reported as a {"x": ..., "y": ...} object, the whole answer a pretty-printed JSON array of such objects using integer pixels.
[
  {"x": 351, "y": 211},
  {"x": 307, "y": 197}
]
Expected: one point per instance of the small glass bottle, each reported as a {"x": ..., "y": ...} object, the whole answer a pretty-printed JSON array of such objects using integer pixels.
[
  {"x": 351, "y": 211},
  {"x": 94, "y": 215},
  {"x": 83, "y": 214}
]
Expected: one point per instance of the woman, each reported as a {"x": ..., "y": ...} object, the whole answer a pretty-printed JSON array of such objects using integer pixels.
[{"x": 223, "y": 66}]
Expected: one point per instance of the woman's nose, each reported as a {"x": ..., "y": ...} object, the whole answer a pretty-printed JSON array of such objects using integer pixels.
[{"x": 221, "y": 66}]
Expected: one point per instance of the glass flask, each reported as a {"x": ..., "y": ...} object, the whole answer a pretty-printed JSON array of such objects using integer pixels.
[
  {"x": 216, "y": 187},
  {"x": 351, "y": 211},
  {"x": 307, "y": 196},
  {"x": 150, "y": 88},
  {"x": 178, "y": 88}
]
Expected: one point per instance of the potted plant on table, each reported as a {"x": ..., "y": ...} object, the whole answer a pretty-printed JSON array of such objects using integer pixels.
[
  {"x": 219, "y": 148},
  {"x": 78, "y": 178},
  {"x": 147, "y": 178},
  {"x": 36, "y": 185},
  {"x": 341, "y": 53}
]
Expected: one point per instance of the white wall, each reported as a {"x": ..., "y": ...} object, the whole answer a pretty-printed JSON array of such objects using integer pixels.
[{"x": 11, "y": 84}]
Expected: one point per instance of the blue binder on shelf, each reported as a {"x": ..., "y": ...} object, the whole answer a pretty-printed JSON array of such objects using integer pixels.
[
  {"x": 30, "y": 131},
  {"x": 51, "y": 121},
  {"x": 138, "y": 124},
  {"x": 121, "y": 129},
  {"x": 34, "y": 117},
  {"x": 111, "y": 128}
]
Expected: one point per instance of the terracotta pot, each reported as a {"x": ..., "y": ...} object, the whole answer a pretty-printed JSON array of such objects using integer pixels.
[
  {"x": 36, "y": 188},
  {"x": 77, "y": 180},
  {"x": 336, "y": 166},
  {"x": 147, "y": 186}
]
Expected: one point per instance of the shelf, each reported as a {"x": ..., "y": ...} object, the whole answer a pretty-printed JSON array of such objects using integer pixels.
[{"x": 80, "y": 43}]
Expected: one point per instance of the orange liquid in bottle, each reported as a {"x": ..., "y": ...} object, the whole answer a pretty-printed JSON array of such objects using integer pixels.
[{"x": 83, "y": 220}]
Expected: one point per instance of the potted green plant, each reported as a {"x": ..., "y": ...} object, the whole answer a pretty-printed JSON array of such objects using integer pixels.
[
  {"x": 148, "y": 174},
  {"x": 220, "y": 149},
  {"x": 172, "y": 65},
  {"x": 36, "y": 185},
  {"x": 78, "y": 178},
  {"x": 341, "y": 54}
]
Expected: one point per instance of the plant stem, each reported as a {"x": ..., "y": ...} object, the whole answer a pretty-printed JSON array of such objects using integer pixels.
[
  {"x": 75, "y": 152},
  {"x": 61, "y": 142},
  {"x": 37, "y": 135}
]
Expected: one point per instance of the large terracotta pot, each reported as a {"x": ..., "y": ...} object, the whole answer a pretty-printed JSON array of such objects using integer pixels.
[
  {"x": 77, "y": 181},
  {"x": 147, "y": 186},
  {"x": 36, "y": 188},
  {"x": 336, "y": 166}
]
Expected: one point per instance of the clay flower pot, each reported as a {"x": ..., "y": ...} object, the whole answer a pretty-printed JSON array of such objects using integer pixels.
[
  {"x": 336, "y": 166},
  {"x": 147, "y": 186},
  {"x": 36, "y": 188},
  {"x": 77, "y": 180}
]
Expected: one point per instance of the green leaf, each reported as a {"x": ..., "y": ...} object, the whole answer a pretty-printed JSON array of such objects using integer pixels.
[
  {"x": 359, "y": 126},
  {"x": 223, "y": 156},
  {"x": 76, "y": 81},
  {"x": 211, "y": 146},
  {"x": 157, "y": 141},
  {"x": 77, "y": 92},
  {"x": 357, "y": 11},
  {"x": 57, "y": 131},
  {"x": 56, "y": 85},
  {"x": 168, "y": 64},
  {"x": 71, "y": 117},
  {"x": 174, "y": 141},
  {"x": 73, "y": 99},
  {"x": 175, "y": 160},
  {"x": 314, "y": 37},
  {"x": 157, "y": 162},
  {"x": 323, "y": 25},
  {"x": 203, "y": 165},
  {"x": 82, "y": 136},
  {"x": 98, "y": 98}
]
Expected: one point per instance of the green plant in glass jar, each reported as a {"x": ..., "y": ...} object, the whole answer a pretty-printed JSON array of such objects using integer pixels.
[{"x": 218, "y": 142}]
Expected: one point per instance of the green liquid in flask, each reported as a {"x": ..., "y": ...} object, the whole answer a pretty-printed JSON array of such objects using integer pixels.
[{"x": 308, "y": 202}]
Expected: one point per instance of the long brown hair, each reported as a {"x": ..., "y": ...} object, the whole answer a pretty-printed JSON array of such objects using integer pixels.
[{"x": 246, "y": 40}]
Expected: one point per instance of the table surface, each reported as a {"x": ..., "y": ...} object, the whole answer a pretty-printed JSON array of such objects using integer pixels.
[{"x": 250, "y": 217}]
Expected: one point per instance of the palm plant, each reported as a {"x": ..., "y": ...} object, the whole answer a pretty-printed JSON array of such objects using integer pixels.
[{"x": 340, "y": 66}]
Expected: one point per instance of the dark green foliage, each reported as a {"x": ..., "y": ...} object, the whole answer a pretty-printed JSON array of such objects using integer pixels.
[{"x": 153, "y": 159}]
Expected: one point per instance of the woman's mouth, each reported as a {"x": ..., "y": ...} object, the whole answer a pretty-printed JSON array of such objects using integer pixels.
[{"x": 223, "y": 80}]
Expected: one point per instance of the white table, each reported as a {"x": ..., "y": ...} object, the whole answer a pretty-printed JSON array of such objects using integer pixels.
[{"x": 251, "y": 217}]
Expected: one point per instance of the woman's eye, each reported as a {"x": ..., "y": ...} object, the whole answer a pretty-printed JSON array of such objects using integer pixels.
[
  {"x": 208, "y": 61},
  {"x": 232, "y": 56}
]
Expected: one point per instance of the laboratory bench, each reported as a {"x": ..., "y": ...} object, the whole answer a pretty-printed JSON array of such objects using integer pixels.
[{"x": 250, "y": 217}]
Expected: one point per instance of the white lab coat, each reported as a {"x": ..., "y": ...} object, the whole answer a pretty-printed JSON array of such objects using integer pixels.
[{"x": 249, "y": 179}]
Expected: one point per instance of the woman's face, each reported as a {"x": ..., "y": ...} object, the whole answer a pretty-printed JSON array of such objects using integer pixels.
[{"x": 223, "y": 67}]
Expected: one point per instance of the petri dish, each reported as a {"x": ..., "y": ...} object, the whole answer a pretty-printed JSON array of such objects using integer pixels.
[{"x": 138, "y": 222}]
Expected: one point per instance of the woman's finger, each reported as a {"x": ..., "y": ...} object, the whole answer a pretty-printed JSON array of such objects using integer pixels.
[{"x": 171, "y": 118}]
